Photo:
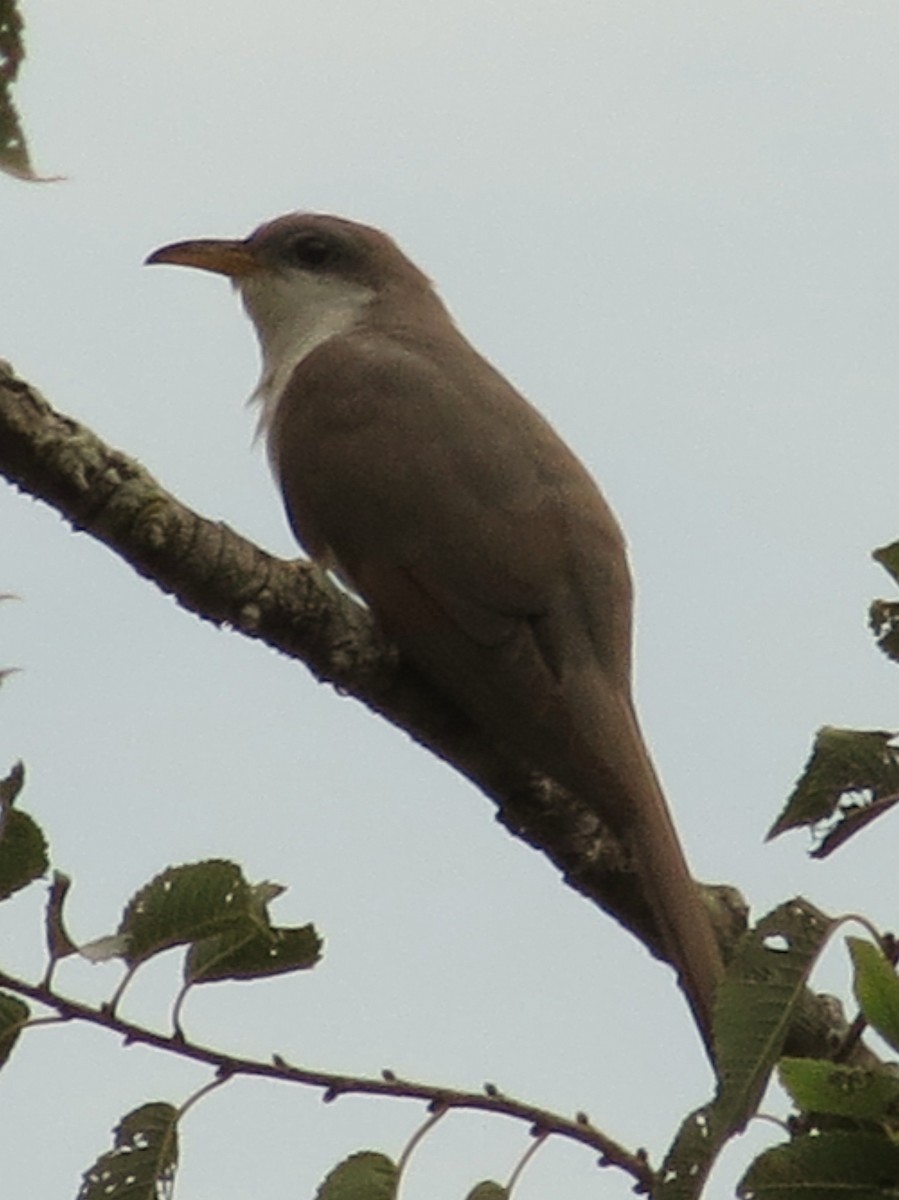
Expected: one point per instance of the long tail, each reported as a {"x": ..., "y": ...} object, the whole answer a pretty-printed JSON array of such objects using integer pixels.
[{"x": 632, "y": 801}]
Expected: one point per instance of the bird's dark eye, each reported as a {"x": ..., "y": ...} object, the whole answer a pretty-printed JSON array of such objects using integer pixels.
[{"x": 310, "y": 250}]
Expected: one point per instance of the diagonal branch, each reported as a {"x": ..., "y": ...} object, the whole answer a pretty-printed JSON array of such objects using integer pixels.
[{"x": 294, "y": 608}]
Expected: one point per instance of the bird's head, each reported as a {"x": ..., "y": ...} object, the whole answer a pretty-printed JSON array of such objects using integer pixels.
[
  {"x": 303, "y": 270},
  {"x": 305, "y": 278}
]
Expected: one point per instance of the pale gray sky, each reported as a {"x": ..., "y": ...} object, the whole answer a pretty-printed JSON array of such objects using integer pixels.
[{"x": 674, "y": 227}]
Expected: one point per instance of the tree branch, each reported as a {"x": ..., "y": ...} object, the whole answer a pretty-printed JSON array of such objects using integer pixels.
[{"x": 491, "y": 1100}]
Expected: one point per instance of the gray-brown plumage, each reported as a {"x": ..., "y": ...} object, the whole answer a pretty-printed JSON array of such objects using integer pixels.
[{"x": 413, "y": 469}]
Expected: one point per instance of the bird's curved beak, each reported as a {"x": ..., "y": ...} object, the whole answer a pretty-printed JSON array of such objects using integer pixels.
[{"x": 231, "y": 258}]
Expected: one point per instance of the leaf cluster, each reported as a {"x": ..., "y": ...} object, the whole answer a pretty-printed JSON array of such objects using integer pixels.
[
  {"x": 847, "y": 1114},
  {"x": 846, "y": 1134}
]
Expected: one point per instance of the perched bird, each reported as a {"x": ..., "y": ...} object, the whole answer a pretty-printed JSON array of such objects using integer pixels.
[{"x": 412, "y": 469}]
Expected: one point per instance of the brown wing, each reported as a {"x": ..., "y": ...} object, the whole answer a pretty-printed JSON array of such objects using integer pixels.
[{"x": 430, "y": 466}]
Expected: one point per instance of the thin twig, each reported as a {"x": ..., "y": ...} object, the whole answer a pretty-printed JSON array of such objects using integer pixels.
[
  {"x": 437, "y": 1115},
  {"x": 335, "y": 1085},
  {"x": 538, "y": 1141}
]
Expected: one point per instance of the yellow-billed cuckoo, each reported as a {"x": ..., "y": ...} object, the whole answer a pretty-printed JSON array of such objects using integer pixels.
[{"x": 415, "y": 471}]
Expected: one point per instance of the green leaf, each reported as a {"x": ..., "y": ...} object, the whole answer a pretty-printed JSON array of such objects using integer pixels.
[
  {"x": 185, "y": 904},
  {"x": 488, "y": 1190},
  {"x": 888, "y": 557},
  {"x": 828, "y": 1166},
  {"x": 142, "y": 1163},
  {"x": 23, "y": 847},
  {"x": 762, "y": 985},
  {"x": 849, "y": 770},
  {"x": 23, "y": 853},
  {"x": 13, "y": 150},
  {"x": 363, "y": 1176},
  {"x": 876, "y": 989},
  {"x": 819, "y": 1086},
  {"x": 13, "y": 1015},
  {"x": 761, "y": 988},
  {"x": 248, "y": 952}
]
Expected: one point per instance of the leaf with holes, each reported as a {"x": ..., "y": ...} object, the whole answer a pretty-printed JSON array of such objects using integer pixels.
[
  {"x": 185, "y": 904},
  {"x": 849, "y": 772},
  {"x": 763, "y": 983},
  {"x": 828, "y": 1166},
  {"x": 142, "y": 1163},
  {"x": 248, "y": 952},
  {"x": 819, "y": 1086}
]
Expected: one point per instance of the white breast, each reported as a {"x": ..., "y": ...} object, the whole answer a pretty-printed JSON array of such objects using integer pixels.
[{"x": 294, "y": 312}]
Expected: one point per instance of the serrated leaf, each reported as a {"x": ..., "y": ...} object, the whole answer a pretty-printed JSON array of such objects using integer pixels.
[
  {"x": 488, "y": 1190},
  {"x": 849, "y": 770},
  {"x": 818, "y": 1086},
  {"x": 366, "y": 1175},
  {"x": 763, "y": 983},
  {"x": 876, "y": 989},
  {"x": 13, "y": 1015},
  {"x": 185, "y": 904},
  {"x": 247, "y": 952},
  {"x": 23, "y": 852},
  {"x": 829, "y": 1166},
  {"x": 142, "y": 1163},
  {"x": 761, "y": 988}
]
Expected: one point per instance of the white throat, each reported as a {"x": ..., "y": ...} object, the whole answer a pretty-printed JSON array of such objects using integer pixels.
[{"x": 293, "y": 314}]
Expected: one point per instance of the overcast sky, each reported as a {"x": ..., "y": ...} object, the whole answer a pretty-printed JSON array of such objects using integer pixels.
[{"x": 674, "y": 226}]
